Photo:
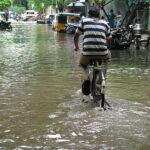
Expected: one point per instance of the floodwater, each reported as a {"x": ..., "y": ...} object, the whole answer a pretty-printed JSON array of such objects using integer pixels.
[{"x": 40, "y": 96}]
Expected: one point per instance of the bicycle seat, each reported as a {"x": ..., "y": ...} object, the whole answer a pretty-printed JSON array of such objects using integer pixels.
[{"x": 94, "y": 62}]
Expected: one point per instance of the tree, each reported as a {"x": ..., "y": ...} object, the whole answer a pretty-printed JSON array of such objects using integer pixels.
[
  {"x": 38, "y": 4},
  {"x": 21, "y": 3},
  {"x": 101, "y": 4},
  {"x": 41, "y": 4},
  {"x": 4, "y": 4}
]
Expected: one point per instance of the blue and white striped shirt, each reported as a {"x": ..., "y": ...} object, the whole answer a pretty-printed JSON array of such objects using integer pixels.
[{"x": 95, "y": 33}]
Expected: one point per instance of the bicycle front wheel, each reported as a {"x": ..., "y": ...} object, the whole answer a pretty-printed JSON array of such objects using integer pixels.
[{"x": 103, "y": 100}]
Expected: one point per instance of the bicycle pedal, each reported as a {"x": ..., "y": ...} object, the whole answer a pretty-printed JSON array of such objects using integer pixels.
[
  {"x": 110, "y": 108},
  {"x": 104, "y": 108},
  {"x": 100, "y": 109},
  {"x": 107, "y": 108},
  {"x": 84, "y": 101}
]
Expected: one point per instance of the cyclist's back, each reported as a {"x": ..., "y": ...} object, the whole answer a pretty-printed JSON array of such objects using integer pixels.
[
  {"x": 95, "y": 37},
  {"x": 95, "y": 34}
]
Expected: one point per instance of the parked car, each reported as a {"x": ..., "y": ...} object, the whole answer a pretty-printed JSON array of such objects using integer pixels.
[{"x": 30, "y": 15}]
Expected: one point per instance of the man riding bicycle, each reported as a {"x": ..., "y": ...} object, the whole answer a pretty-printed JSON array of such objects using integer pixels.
[{"x": 96, "y": 33}]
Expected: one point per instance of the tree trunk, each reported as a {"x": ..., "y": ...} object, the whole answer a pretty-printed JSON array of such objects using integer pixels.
[{"x": 101, "y": 6}]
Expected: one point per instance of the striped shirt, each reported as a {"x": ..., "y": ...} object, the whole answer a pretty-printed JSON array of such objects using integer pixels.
[{"x": 95, "y": 33}]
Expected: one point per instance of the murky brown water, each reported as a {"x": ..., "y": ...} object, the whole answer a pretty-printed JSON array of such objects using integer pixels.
[{"x": 40, "y": 99}]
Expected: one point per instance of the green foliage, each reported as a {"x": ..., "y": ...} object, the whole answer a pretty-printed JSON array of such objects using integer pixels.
[
  {"x": 100, "y": 1},
  {"x": 38, "y": 3},
  {"x": 103, "y": 1},
  {"x": 21, "y": 3},
  {"x": 18, "y": 9},
  {"x": 4, "y": 4},
  {"x": 41, "y": 4}
]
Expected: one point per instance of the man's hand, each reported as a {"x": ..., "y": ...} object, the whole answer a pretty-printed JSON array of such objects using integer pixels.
[{"x": 76, "y": 39}]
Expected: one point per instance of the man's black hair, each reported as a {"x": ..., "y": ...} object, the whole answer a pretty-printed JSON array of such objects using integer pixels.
[
  {"x": 111, "y": 10},
  {"x": 94, "y": 12}
]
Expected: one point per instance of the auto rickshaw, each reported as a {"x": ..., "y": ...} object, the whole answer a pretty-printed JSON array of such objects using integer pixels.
[
  {"x": 62, "y": 19},
  {"x": 2, "y": 16}
]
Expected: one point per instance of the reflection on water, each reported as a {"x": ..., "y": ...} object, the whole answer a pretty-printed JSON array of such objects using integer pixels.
[
  {"x": 40, "y": 97},
  {"x": 130, "y": 73}
]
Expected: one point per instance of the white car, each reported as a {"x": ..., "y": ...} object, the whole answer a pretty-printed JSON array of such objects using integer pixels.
[{"x": 30, "y": 15}]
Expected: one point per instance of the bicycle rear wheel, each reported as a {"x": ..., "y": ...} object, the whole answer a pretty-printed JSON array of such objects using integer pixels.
[{"x": 98, "y": 89}]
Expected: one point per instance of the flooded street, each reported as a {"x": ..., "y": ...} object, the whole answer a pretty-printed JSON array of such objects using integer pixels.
[{"x": 40, "y": 97}]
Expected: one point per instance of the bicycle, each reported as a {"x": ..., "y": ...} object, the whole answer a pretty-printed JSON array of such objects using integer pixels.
[{"x": 96, "y": 83}]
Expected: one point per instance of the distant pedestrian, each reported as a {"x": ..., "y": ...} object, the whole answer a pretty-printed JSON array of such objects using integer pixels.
[
  {"x": 112, "y": 19},
  {"x": 118, "y": 19},
  {"x": 102, "y": 17}
]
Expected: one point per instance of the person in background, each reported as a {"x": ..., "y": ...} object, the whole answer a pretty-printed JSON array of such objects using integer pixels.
[
  {"x": 112, "y": 19},
  {"x": 102, "y": 17},
  {"x": 118, "y": 19}
]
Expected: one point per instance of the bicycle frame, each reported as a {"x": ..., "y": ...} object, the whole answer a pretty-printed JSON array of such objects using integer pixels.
[{"x": 96, "y": 70}]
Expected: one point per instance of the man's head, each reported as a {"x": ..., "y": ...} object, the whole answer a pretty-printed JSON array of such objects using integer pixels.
[{"x": 94, "y": 12}]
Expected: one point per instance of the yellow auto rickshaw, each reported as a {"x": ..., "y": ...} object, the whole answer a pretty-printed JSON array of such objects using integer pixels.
[{"x": 62, "y": 19}]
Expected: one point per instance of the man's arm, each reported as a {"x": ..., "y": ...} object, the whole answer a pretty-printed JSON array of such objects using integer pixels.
[
  {"x": 109, "y": 42},
  {"x": 76, "y": 41}
]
